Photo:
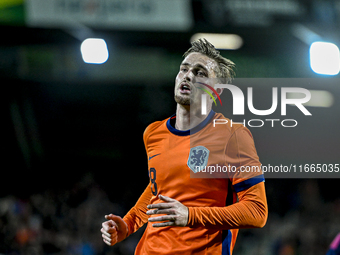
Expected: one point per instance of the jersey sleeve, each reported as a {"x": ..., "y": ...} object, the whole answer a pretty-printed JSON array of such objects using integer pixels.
[
  {"x": 250, "y": 212},
  {"x": 137, "y": 217},
  {"x": 247, "y": 181},
  {"x": 148, "y": 131},
  {"x": 241, "y": 155}
]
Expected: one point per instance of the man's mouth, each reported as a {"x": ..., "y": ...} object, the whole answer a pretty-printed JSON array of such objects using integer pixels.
[{"x": 185, "y": 88}]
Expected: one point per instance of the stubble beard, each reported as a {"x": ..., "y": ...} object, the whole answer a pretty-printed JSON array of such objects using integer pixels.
[{"x": 182, "y": 100}]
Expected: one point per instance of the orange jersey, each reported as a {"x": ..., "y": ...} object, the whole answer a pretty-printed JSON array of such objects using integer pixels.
[{"x": 219, "y": 203}]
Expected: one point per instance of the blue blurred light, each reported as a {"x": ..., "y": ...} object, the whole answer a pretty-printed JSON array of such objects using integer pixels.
[
  {"x": 324, "y": 58},
  {"x": 94, "y": 51}
]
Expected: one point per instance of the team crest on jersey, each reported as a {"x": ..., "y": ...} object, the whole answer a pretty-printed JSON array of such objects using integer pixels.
[{"x": 198, "y": 158}]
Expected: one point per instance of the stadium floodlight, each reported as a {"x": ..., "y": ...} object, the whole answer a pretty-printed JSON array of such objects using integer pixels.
[
  {"x": 221, "y": 41},
  {"x": 94, "y": 51},
  {"x": 324, "y": 58}
]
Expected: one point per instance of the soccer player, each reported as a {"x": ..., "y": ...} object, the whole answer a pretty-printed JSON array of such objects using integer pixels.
[{"x": 186, "y": 214}]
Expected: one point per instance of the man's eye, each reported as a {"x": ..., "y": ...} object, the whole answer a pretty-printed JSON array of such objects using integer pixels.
[
  {"x": 184, "y": 70},
  {"x": 200, "y": 73}
]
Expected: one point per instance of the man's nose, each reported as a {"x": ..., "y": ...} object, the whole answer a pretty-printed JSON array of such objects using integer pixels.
[{"x": 189, "y": 76}]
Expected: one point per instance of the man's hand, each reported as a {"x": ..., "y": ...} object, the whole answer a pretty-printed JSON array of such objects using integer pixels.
[
  {"x": 114, "y": 230},
  {"x": 177, "y": 214}
]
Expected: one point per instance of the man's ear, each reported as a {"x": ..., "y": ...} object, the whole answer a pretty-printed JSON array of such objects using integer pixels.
[{"x": 219, "y": 91}]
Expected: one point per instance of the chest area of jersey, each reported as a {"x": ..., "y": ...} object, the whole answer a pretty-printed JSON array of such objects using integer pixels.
[{"x": 175, "y": 158}]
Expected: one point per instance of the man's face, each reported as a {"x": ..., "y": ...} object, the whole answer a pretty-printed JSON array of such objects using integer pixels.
[{"x": 195, "y": 65}]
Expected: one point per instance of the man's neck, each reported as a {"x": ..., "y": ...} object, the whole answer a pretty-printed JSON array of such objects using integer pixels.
[{"x": 186, "y": 120}]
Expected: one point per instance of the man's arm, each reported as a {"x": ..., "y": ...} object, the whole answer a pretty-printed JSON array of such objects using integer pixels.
[
  {"x": 250, "y": 212},
  {"x": 137, "y": 217},
  {"x": 117, "y": 229}
]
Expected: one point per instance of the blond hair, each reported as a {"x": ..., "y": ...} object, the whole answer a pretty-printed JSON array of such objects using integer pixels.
[{"x": 225, "y": 66}]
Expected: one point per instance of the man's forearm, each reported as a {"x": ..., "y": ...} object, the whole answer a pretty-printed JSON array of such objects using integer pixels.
[
  {"x": 250, "y": 212},
  {"x": 137, "y": 217}
]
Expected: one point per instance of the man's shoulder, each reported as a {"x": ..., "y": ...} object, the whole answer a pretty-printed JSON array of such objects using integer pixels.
[
  {"x": 154, "y": 126},
  {"x": 223, "y": 122}
]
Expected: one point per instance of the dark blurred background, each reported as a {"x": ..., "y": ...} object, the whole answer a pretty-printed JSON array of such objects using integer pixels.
[{"x": 72, "y": 147}]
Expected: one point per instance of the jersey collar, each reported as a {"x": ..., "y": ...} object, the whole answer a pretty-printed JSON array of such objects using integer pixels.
[{"x": 192, "y": 131}]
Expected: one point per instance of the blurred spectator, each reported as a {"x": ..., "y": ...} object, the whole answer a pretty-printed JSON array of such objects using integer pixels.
[
  {"x": 68, "y": 221},
  {"x": 58, "y": 222}
]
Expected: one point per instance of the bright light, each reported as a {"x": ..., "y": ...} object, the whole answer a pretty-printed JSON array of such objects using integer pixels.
[
  {"x": 221, "y": 41},
  {"x": 324, "y": 58},
  {"x": 319, "y": 98},
  {"x": 94, "y": 51}
]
